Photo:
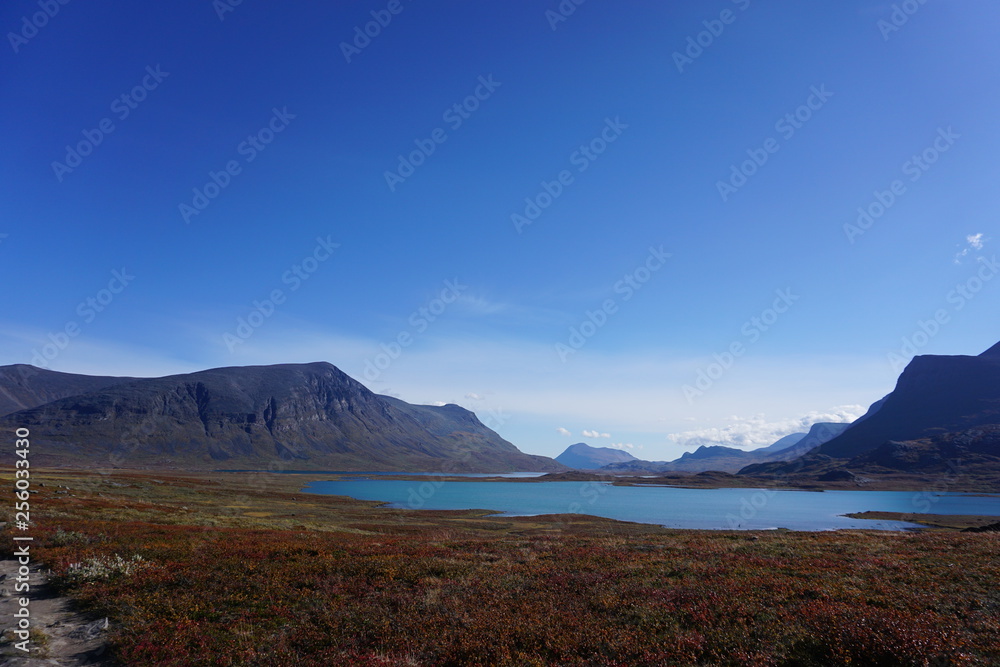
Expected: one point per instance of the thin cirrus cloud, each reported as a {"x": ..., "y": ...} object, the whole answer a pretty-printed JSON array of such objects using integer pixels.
[
  {"x": 87, "y": 354},
  {"x": 563, "y": 432},
  {"x": 595, "y": 434},
  {"x": 475, "y": 306}
]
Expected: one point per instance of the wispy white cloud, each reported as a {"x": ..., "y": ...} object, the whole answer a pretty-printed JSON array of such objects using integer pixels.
[
  {"x": 595, "y": 434},
  {"x": 973, "y": 242},
  {"x": 474, "y": 397},
  {"x": 757, "y": 431},
  {"x": 477, "y": 306},
  {"x": 562, "y": 431},
  {"x": 623, "y": 445}
]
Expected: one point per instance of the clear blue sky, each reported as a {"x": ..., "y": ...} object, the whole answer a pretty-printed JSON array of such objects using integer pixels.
[{"x": 641, "y": 138}]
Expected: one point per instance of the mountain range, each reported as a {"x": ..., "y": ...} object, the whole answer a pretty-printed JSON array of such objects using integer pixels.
[
  {"x": 706, "y": 457},
  {"x": 943, "y": 413},
  {"x": 292, "y": 416}
]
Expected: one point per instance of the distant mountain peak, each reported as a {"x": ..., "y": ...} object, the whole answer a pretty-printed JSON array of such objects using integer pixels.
[
  {"x": 712, "y": 451},
  {"x": 584, "y": 457}
]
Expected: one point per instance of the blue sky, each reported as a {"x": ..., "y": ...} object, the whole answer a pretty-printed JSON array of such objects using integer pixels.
[{"x": 639, "y": 222}]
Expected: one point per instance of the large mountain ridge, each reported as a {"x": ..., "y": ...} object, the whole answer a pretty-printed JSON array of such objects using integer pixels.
[
  {"x": 295, "y": 416},
  {"x": 943, "y": 408}
]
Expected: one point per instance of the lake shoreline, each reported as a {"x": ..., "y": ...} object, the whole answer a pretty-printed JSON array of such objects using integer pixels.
[
  {"x": 705, "y": 480},
  {"x": 669, "y": 506},
  {"x": 946, "y": 522},
  {"x": 931, "y": 483}
]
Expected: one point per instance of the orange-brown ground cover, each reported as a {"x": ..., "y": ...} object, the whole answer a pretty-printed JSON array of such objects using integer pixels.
[{"x": 230, "y": 575}]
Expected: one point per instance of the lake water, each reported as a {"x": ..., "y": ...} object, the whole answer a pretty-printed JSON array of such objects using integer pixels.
[
  {"x": 747, "y": 509},
  {"x": 354, "y": 473}
]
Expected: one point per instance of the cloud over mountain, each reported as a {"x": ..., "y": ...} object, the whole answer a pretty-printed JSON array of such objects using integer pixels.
[{"x": 757, "y": 431}]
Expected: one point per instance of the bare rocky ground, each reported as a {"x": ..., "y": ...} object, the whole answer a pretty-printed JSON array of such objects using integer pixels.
[{"x": 62, "y": 636}]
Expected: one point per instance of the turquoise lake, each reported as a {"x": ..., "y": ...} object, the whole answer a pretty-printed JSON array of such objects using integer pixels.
[{"x": 713, "y": 509}]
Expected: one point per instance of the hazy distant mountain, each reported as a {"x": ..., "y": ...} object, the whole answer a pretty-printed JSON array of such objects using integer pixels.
[
  {"x": 730, "y": 459},
  {"x": 818, "y": 434},
  {"x": 781, "y": 444},
  {"x": 584, "y": 457},
  {"x": 941, "y": 406},
  {"x": 23, "y": 387},
  {"x": 296, "y": 416},
  {"x": 710, "y": 457}
]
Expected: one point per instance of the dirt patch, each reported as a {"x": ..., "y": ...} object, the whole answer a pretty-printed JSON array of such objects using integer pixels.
[{"x": 61, "y": 635}]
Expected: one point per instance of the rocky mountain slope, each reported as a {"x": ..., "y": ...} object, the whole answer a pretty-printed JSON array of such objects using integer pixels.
[
  {"x": 934, "y": 395},
  {"x": 289, "y": 416},
  {"x": 944, "y": 414}
]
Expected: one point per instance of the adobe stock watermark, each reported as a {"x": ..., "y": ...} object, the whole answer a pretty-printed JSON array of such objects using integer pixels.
[
  {"x": 31, "y": 25},
  {"x": 419, "y": 321},
  {"x": 419, "y": 494},
  {"x": 786, "y": 126},
  {"x": 751, "y": 505},
  {"x": 627, "y": 286},
  {"x": 927, "y": 497},
  {"x": 223, "y": 7},
  {"x": 957, "y": 298},
  {"x": 23, "y": 522},
  {"x": 132, "y": 438},
  {"x": 696, "y": 44},
  {"x": 751, "y": 332},
  {"x": 87, "y": 311},
  {"x": 914, "y": 168},
  {"x": 294, "y": 277},
  {"x": 899, "y": 17},
  {"x": 122, "y": 107},
  {"x": 590, "y": 493},
  {"x": 562, "y": 12},
  {"x": 363, "y": 35},
  {"x": 455, "y": 116},
  {"x": 581, "y": 158},
  {"x": 248, "y": 149}
]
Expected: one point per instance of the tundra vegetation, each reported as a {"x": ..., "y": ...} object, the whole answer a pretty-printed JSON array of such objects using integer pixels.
[{"x": 239, "y": 569}]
